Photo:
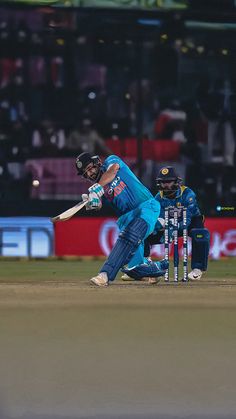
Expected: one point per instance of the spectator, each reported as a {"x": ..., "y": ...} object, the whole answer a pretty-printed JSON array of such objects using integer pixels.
[
  {"x": 143, "y": 92},
  {"x": 47, "y": 139},
  {"x": 171, "y": 122},
  {"x": 19, "y": 144},
  {"x": 85, "y": 138},
  {"x": 221, "y": 138}
]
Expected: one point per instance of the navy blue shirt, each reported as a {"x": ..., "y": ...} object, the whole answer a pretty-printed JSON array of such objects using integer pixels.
[{"x": 185, "y": 197}]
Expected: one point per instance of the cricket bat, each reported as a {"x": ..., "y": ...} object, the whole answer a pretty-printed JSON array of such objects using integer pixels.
[{"x": 66, "y": 215}]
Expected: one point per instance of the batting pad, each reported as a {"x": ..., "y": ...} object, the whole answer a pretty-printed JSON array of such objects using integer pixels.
[
  {"x": 127, "y": 243},
  {"x": 200, "y": 248}
]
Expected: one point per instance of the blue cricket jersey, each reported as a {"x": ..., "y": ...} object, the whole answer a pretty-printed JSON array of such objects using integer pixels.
[
  {"x": 125, "y": 192},
  {"x": 185, "y": 197}
]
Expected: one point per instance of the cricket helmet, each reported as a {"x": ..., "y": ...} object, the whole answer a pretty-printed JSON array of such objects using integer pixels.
[
  {"x": 82, "y": 162},
  {"x": 167, "y": 175}
]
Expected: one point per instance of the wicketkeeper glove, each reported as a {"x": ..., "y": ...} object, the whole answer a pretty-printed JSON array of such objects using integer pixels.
[
  {"x": 97, "y": 189},
  {"x": 92, "y": 204}
]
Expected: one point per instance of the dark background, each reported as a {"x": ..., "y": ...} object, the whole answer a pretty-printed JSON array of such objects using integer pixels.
[{"x": 120, "y": 69}]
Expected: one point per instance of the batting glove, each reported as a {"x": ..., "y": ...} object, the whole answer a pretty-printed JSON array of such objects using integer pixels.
[
  {"x": 85, "y": 197},
  {"x": 94, "y": 202},
  {"x": 90, "y": 206},
  {"x": 97, "y": 189}
]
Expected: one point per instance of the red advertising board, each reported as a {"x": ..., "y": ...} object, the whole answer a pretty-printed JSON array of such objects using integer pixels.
[{"x": 87, "y": 236}]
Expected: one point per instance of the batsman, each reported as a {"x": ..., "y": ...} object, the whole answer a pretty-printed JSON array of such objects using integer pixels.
[
  {"x": 172, "y": 193},
  {"x": 114, "y": 183}
]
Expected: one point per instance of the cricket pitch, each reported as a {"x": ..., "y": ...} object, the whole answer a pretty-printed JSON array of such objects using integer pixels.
[{"x": 70, "y": 350}]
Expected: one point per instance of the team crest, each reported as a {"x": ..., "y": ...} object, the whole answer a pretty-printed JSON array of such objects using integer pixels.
[
  {"x": 79, "y": 164},
  {"x": 165, "y": 171}
]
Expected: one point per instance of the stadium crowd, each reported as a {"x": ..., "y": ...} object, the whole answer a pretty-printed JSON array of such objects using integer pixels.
[{"x": 64, "y": 91}]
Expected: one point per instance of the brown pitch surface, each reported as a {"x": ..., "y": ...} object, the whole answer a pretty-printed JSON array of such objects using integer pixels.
[{"x": 71, "y": 350}]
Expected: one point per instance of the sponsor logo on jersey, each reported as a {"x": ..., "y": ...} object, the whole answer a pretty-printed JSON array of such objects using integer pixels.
[
  {"x": 115, "y": 188},
  {"x": 115, "y": 182},
  {"x": 119, "y": 188}
]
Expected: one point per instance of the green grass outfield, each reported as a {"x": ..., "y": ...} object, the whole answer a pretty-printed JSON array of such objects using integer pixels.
[
  {"x": 131, "y": 350},
  {"x": 24, "y": 270}
]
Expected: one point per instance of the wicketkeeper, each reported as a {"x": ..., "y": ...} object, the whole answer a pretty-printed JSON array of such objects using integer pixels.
[
  {"x": 172, "y": 193},
  {"x": 138, "y": 210}
]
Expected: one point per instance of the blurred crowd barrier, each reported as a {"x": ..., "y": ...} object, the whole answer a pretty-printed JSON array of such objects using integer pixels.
[{"x": 56, "y": 178}]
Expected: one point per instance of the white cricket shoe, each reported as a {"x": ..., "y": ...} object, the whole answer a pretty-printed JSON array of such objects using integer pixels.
[
  {"x": 150, "y": 280},
  {"x": 101, "y": 280},
  {"x": 126, "y": 277},
  {"x": 195, "y": 274},
  {"x": 153, "y": 280}
]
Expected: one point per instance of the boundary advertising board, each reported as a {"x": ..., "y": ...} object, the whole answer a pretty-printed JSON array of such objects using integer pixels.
[{"x": 96, "y": 236}]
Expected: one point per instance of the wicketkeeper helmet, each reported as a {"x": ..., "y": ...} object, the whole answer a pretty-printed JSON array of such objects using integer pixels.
[{"x": 168, "y": 174}]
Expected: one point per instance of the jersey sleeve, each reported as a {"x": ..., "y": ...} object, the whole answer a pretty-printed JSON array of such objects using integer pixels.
[
  {"x": 112, "y": 160},
  {"x": 160, "y": 200},
  {"x": 190, "y": 203},
  {"x": 158, "y": 197}
]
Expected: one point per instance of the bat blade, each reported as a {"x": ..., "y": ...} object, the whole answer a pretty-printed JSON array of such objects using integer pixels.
[{"x": 66, "y": 215}]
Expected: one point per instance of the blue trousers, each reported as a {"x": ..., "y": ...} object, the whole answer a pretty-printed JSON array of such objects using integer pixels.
[{"x": 148, "y": 211}]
